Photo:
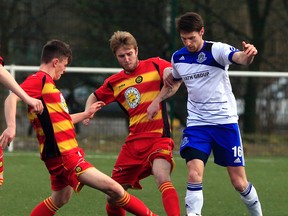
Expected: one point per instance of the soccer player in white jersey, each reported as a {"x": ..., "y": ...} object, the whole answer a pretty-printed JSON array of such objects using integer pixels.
[{"x": 212, "y": 122}]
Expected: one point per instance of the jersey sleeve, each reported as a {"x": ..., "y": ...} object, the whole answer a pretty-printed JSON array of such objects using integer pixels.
[
  {"x": 105, "y": 92},
  {"x": 32, "y": 85},
  {"x": 223, "y": 53},
  {"x": 162, "y": 65},
  {"x": 175, "y": 73}
]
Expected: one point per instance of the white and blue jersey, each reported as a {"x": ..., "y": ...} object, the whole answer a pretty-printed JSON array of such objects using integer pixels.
[
  {"x": 212, "y": 121},
  {"x": 205, "y": 74}
]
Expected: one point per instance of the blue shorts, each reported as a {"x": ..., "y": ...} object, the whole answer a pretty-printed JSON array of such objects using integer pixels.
[{"x": 223, "y": 140}]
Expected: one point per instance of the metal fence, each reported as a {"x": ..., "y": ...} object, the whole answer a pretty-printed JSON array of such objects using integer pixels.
[{"x": 108, "y": 129}]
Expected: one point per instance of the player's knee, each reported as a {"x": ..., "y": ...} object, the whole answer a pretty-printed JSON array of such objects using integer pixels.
[
  {"x": 194, "y": 176},
  {"x": 239, "y": 184},
  {"x": 162, "y": 177},
  {"x": 60, "y": 198},
  {"x": 61, "y": 202}
]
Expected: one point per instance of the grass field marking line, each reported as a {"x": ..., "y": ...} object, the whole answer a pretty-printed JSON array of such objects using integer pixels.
[
  {"x": 101, "y": 156},
  {"x": 259, "y": 160},
  {"x": 20, "y": 154}
]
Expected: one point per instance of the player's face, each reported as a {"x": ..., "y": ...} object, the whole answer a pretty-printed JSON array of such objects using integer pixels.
[
  {"x": 60, "y": 67},
  {"x": 127, "y": 58},
  {"x": 192, "y": 40}
]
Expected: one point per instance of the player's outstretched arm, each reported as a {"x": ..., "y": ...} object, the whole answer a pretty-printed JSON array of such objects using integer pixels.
[
  {"x": 88, "y": 113},
  {"x": 246, "y": 56},
  {"x": 90, "y": 100},
  {"x": 7, "y": 79},
  {"x": 166, "y": 92},
  {"x": 10, "y": 107},
  {"x": 153, "y": 108}
]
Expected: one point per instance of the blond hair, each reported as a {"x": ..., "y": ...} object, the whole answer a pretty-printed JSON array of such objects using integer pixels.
[{"x": 122, "y": 39}]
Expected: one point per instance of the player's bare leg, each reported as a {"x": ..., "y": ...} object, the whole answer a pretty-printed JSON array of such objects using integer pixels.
[
  {"x": 52, "y": 204},
  {"x": 161, "y": 170},
  {"x": 112, "y": 209},
  {"x": 100, "y": 181}
]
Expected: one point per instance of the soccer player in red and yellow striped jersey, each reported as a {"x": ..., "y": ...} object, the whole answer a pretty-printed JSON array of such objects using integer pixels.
[
  {"x": 148, "y": 147},
  {"x": 57, "y": 140}
]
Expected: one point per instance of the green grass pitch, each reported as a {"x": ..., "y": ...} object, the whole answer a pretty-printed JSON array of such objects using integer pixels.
[{"x": 27, "y": 183}]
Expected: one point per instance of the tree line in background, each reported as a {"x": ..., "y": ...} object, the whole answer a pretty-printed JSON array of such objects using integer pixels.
[{"x": 87, "y": 26}]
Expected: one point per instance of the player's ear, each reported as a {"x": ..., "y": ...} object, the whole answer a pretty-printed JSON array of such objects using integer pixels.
[
  {"x": 55, "y": 61},
  {"x": 202, "y": 31}
]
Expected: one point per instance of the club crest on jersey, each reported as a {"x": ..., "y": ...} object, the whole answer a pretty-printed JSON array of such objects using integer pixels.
[
  {"x": 201, "y": 57},
  {"x": 63, "y": 103},
  {"x": 132, "y": 96},
  {"x": 139, "y": 79},
  {"x": 78, "y": 169}
]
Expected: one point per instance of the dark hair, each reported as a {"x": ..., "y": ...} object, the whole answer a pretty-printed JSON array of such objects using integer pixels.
[
  {"x": 189, "y": 22},
  {"x": 122, "y": 38},
  {"x": 56, "y": 49}
]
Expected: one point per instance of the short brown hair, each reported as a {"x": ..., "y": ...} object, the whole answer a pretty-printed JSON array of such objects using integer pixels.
[
  {"x": 56, "y": 49},
  {"x": 122, "y": 38},
  {"x": 189, "y": 22}
]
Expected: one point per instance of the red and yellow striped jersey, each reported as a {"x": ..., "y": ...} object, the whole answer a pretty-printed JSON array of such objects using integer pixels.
[
  {"x": 134, "y": 92},
  {"x": 54, "y": 127}
]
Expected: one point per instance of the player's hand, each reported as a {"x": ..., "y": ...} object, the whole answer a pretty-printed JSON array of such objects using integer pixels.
[
  {"x": 86, "y": 121},
  {"x": 6, "y": 137},
  {"x": 94, "y": 108},
  {"x": 36, "y": 105},
  {"x": 249, "y": 49},
  {"x": 152, "y": 110}
]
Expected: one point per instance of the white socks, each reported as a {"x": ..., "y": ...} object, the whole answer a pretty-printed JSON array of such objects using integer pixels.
[
  {"x": 251, "y": 200},
  {"x": 194, "y": 199}
]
